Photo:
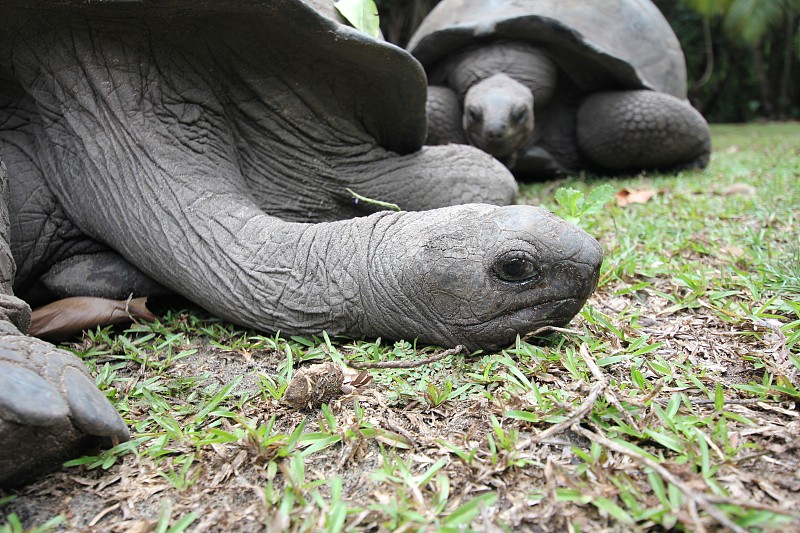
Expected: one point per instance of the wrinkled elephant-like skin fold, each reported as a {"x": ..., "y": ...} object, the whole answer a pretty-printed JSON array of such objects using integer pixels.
[{"x": 212, "y": 149}]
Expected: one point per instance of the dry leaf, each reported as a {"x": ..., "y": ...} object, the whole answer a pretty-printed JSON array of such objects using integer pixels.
[
  {"x": 634, "y": 196},
  {"x": 742, "y": 189},
  {"x": 62, "y": 319},
  {"x": 141, "y": 526},
  {"x": 732, "y": 250}
]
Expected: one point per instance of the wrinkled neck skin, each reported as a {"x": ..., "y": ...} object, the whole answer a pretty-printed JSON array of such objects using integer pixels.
[
  {"x": 194, "y": 164},
  {"x": 183, "y": 175}
]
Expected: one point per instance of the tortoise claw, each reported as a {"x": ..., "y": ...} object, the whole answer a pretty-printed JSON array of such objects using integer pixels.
[
  {"x": 50, "y": 410},
  {"x": 91, "y": 411},
  {"x": 27, "y": 398}
]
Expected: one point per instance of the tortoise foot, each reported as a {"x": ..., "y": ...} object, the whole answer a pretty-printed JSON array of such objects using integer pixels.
[
  {"x": 50, "y": 410},
  {"x": 634, "y": 130}
]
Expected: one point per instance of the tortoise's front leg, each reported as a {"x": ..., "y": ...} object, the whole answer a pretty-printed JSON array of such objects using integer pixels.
[
  {"x": 50, "y": 408},
  {"x": 433, "y": 177},
  {"x": 633, "y": 130},
  {"x": 444, "y": 117}
]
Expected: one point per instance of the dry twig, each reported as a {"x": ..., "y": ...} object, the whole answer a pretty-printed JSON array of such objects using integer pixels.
[
  {"x": 588, "y": 358},
  {"x": 584, "y": 409},
  {"x": 532, "y": 334},
  {"x": 698, "y": 499}
]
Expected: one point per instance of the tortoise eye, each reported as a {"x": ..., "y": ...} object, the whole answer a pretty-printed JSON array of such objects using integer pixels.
[
  {"x": 475, "y": 114},
  {"x": 520, "y": 115},
  {"x": 516, "y": 268}
]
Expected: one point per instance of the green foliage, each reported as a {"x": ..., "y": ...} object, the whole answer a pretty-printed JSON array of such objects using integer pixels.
[
  {"x": 747, "y": 20},
  {"x": 574, "y": 206},
  {"x": 742, "y": 56},
  {"x": 362, "y": 14}
]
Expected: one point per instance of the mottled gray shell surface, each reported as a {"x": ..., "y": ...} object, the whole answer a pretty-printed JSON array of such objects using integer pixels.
[
  {"x": 602, "y": 43},
  {"x": 385, "y": 87}
]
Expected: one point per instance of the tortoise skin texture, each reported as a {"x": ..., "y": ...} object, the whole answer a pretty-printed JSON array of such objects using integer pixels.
[{"x": 213, "y": 149}]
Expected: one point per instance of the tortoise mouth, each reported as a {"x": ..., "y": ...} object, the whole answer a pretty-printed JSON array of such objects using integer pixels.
[
  {"x": 501, "y": 331},
  {"x": 502, "y": 147},
  {"x": 554, "y": 313}
]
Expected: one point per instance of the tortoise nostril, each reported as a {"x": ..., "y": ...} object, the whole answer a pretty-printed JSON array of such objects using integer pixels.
[{"x": 496, "y": 133}]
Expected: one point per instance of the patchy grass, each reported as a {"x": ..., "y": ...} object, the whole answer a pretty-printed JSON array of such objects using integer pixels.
[{"x": 672, "y": 405}]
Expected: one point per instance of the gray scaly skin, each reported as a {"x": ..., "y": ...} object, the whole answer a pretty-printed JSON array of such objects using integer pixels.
[
  {"x": 50, "y": 409},
  {"x": 542, "y": 105},
  {"x": 217, "y": 162}
]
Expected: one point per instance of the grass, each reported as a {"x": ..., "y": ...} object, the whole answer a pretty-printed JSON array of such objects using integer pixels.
[{"x": 671, "y": 403}]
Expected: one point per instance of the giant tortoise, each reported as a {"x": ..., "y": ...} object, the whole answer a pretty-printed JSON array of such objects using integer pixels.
[
  {"x": 559, "y": 86},
  {"x": 227, "y": 151}
]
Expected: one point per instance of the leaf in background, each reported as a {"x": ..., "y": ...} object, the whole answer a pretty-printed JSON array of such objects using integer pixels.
[
  {"x": 740, "y": 189},
  {"x": 362, "y": 14},
  {"x": 634, "y": 196}
]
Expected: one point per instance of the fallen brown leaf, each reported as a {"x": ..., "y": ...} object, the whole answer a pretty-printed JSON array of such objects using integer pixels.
[
  {"x": 62, "y": 319},
  {"x": 742, "y": 189},
  {"x": 634, "y": 196}
]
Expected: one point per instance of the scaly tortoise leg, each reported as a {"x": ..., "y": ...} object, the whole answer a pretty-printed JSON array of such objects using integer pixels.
[
  {"x": 634, "y": 130},
  {"x": 50, "y": 408},
  {"x": 444, "y": 117}
]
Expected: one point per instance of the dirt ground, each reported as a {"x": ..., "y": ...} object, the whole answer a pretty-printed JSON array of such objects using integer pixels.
[{"x": 229, "y": 489}]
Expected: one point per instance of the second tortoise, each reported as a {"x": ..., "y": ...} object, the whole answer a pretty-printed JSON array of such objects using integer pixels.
[{"x": 559, "y": 86}]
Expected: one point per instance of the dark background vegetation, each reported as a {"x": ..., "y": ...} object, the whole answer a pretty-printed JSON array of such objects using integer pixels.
[{"x": 742, "y": 56}]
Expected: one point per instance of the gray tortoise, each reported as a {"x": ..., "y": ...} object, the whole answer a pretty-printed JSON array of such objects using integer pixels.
[
  {"x": 213, "y": 149},
  {"x": 559, "y": 86}
]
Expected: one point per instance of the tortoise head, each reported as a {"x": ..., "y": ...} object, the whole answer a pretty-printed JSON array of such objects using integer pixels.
[
  {"x": 477, "y": 275},
  {"x": 498, "y": 115}
]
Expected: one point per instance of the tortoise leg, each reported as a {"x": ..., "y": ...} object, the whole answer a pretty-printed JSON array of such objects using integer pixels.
[
  {"x": 50, "y": 408},
  {"x": 444, "y": 117},
  {"x": 634, "y": 130},
  {"x": 446, "y": 172},
  {"x": 433, "y": 177},
  {"x": 90, "y": 290},
  {"x": 103, "y": 274}
]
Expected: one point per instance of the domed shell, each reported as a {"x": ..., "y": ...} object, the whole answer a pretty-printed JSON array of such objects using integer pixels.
[
  {"x": 617, "y": 43},
  {"x": 387, "y": 86},
  {"x": 357, "y": 77}
]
